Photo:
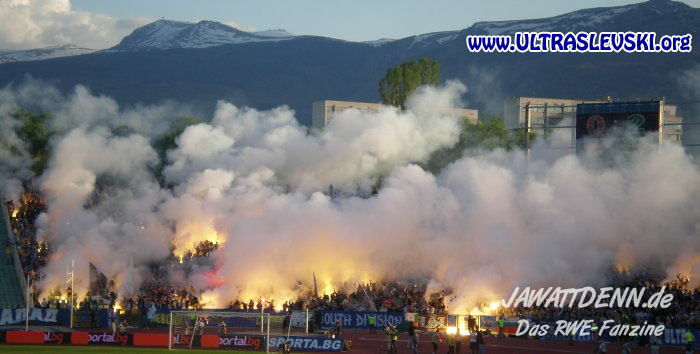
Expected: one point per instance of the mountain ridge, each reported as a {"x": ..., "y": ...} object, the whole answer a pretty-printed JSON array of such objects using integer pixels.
[
  {"x": 167, "y": 34},
  {"x": 57, "y": 51},
  {"x": 301, "y": 69}
]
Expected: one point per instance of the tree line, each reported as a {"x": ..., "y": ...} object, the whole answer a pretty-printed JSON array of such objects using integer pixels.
[{"x": 488, "y": 133}]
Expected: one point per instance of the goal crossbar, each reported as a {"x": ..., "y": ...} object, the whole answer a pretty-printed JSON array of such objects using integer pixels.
[{"x": 199, "y": 325}]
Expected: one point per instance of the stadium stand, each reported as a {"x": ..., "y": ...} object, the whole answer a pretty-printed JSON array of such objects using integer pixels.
[{"x": 11, "y": 294}]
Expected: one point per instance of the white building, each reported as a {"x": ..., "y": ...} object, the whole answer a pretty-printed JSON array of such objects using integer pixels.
[{"x": 322, "y": 112}]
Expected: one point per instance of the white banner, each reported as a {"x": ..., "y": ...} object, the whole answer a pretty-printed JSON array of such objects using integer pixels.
[
  {"x": 15, "y": 316},
  {"x": 299, "y": 319}
]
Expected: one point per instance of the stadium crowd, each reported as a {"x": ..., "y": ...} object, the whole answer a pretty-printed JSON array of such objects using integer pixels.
[
  {"x": 389, "y": 296},
  {"x": 33, "y": 253},
  {"x": 156, "y": 293}
]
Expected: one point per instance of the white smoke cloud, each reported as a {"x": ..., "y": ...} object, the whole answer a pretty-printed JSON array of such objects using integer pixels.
[
  {"x": 110, "y": 233},
  {"x": 16, "y": 165},
  {"x": 39, "y": 23},
  {"x": 254, "y": 181},
  {"x": 351, "y": 152}
]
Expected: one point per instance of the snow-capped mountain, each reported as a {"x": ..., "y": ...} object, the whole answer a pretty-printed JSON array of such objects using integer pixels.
[
  {"x": 574, "y": 21},
  {"x": 271, "y": 68},
  {"x": 10, "y": 56},
  {"x": 379, "y": 42},
  {"x": 594, "y": 19},
  {"x": 165, "y": 34},
  {"x": 435, "y": 38},
  {"x": 662, "y": 16}
]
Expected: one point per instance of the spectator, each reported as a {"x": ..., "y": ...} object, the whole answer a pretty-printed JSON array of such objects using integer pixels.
[
  {"x": 222, "y": 327},
  {"x": 338, "y": 326},
  {"x": 480, "y": 342},
  {"x": 413, "y": 339}
]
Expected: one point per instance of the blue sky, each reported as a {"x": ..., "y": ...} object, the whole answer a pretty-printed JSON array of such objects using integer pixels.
[
  {"x": 357, "y": 20},
  {"x": 99, "y": 24}
]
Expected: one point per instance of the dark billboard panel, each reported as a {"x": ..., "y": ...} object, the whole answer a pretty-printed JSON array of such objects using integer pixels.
[{"x": 596, "y": 119}]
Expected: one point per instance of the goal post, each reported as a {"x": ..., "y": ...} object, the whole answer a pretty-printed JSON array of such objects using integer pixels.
[{"x": 234, "y": 330}]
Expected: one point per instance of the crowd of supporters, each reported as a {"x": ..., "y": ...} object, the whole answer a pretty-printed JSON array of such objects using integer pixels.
[
  {"x": 389, "y": 296},
  {"x": 385, "y": 296},
  {"x": 33, "y": 253},
  {"x": 156, "y": 293}
]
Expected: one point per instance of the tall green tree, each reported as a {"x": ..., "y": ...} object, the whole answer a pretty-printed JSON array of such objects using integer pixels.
[
  {"x": 177, "y": 126},
  {"x": 34, "y": 129},
  {"x": 400, "y": 81},
  {"x": 486, "y": 135},
  {"x": 168, "y": 140}
]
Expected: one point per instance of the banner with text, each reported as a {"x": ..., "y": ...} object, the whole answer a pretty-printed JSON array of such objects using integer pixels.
[
  {"x": 431, "y": 322},
  {"x": 360, "y": 319},
  {"x": 36, "y": 316},
  {"x": 308, "y": 344}
]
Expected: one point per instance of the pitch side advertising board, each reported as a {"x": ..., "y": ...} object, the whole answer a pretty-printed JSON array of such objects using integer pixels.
[{"x": 308, "y": 344}]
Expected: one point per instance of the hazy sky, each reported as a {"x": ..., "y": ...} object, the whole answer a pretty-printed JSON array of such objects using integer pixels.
[
  {"x": 356, "y": 20},
  {"x": 101, "y": 24}
]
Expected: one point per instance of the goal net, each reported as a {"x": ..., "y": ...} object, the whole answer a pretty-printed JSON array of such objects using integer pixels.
[{"x": 247, "y": 331}]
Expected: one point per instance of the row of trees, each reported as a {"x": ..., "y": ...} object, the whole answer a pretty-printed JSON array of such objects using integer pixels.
[
  {"x": 394, "y": 89},
  {"x": 36, "y": 131}
]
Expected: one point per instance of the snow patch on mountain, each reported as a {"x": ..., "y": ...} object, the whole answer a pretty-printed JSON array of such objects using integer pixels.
[
  {"x": 165, "y": 34},
  {"x": 10, "y": 56},
  {"x": 578, "y": 20},
  {"x": 430, "y": 38},
  {"x": 379, "y": 42}
]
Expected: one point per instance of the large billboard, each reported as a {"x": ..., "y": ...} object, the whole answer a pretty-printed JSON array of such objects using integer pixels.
[{"x": 597, "y": 119}]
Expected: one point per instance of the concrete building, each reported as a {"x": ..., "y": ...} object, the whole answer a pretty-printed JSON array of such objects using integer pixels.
[
  {"x": 553, "y": 109},
  {"x": 672, "y": 129},
  {"x": 545, "y": 113},
  {"x": 322, "y": 112}
]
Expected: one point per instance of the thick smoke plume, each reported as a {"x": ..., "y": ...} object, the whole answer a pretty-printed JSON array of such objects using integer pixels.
[{"x": 257, "y": 182}]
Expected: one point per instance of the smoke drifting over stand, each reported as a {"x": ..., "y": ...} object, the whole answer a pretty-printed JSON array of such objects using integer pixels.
[{"x": 254, "y": 181}]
